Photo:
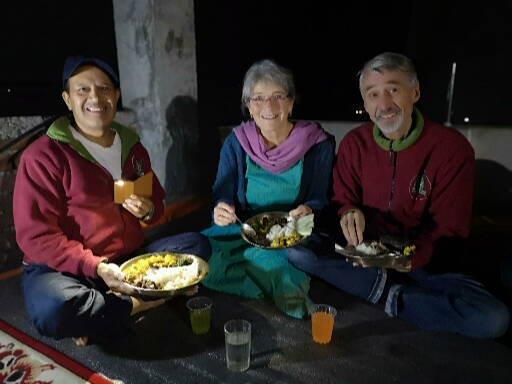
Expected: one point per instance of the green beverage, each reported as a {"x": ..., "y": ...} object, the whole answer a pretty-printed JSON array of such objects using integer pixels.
[
  {"x": 200, "y": 309},
  {"x": 200, "y": 321}
]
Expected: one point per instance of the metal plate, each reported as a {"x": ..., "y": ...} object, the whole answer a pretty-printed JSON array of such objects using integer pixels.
[
  {"x": 266, "y": 244},
  {"x": 378, "y": 260},
  {"x": 203, "y": 271},
  {"x": 351, "y": 252}
]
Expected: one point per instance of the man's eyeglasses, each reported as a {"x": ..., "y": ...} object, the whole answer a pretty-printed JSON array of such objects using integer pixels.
[{"x": 260, "y": 100}]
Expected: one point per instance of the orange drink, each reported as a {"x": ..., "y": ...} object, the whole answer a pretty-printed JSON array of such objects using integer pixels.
[{"x": 322, "y": 323}]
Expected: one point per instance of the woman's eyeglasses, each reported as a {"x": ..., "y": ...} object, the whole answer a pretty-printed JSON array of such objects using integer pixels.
[{"x": 260, "y": 100}]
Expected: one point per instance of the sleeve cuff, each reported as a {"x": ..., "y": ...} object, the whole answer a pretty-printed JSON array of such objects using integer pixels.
[
  {"x": 90, "y": 268},
  {"x": 345, "y": 209}
]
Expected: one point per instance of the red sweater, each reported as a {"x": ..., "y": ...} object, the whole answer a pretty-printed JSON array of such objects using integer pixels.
[
  {"x": 424, "y": 191},
  {"x": 64, "y": 209}
]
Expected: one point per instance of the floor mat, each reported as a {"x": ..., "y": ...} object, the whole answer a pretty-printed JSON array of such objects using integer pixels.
[
  {"x": 367, "y": 347},
  {"x": 25, "y": 360}
]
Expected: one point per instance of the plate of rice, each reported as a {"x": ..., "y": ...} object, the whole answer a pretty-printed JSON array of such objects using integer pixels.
[
  {"x": 277, "y": 230},
  {"x": 375, "y": 252},
  {"x": 162, "y": 274}
]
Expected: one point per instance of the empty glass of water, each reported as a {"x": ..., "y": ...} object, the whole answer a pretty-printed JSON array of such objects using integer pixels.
[{"x": 238, "y": 344}]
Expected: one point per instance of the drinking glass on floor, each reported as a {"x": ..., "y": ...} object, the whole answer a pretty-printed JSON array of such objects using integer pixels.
[
  {"x": 238, "y": 344},
  {"x": 200, "y": 314},
  {"x": 322, "y": 323}
]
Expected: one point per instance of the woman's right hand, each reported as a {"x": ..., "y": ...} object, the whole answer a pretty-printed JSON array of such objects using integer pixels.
[{"x": 224, "y": 214}]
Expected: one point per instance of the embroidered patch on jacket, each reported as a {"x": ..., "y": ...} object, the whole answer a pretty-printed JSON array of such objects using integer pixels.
[
  {"x": 138, "y": 166},
  {"x": 420, "y": 187}
]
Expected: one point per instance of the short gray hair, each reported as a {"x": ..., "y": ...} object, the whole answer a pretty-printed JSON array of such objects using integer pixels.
[
  {"x": 390, "y": 61},
  {"x": 267, "y": 71}
]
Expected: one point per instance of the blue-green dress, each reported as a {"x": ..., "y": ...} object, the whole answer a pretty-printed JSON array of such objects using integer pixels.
[{"x": 238, "y": 268}]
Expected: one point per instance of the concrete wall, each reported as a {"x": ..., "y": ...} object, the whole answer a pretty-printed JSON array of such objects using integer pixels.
[
  {"x": 11, "y": 127},
  {"x": 489, "y": 143}
]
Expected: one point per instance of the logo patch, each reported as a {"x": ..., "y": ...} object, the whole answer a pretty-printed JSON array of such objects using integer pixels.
[
  {"x": 138, "y": 166},
  {"x": 420, "y": 187}
]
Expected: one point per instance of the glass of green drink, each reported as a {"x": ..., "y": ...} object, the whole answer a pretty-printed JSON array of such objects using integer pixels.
[{"x": 200, "y": 310}]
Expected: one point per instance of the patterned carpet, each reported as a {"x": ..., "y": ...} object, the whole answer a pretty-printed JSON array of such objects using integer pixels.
[{"x": 24, "y": 360}]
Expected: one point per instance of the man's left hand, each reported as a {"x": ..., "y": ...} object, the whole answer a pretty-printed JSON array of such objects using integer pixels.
[{"x": 138, "y": 206}]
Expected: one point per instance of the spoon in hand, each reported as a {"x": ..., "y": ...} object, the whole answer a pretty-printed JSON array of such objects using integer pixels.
[{"x": 246, "y": 228}]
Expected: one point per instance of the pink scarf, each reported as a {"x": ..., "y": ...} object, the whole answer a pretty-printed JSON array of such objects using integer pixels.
[{"x": 303, "y": 136}]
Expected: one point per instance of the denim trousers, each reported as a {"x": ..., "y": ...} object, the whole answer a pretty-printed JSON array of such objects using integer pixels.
[
  {"x": 64, "y": 305},
  {"x": 436, "y": 302}
]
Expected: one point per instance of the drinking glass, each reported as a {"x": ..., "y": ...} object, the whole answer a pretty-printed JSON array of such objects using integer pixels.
[
  {"x": 200, "y": 310},
  {"x": 322, "y": 323},
  {"x": 238, "y": 344}
]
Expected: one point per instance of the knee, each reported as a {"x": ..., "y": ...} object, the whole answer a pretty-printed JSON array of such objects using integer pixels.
[
  {"x": 490, "y": 323},
  {"x": 51, "y": 317},
  {"x": 496, "y": 322},
  {"x": 301, "y": 257},
  {"x": 203, "y": 247},
  {"x": 190, "y": 242}
]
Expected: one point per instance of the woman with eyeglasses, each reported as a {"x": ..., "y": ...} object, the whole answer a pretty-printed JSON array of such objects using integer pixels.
[{"x": 268, "y": 163}]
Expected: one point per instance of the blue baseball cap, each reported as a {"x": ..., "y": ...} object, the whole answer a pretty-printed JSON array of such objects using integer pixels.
[{"x": 73, "y": 63}]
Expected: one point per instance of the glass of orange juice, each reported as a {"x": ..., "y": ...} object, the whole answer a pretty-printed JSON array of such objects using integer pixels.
[{"x": 322, "y": 323}]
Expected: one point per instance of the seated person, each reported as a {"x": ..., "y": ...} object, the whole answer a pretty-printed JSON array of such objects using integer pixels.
[
  {"x": 405, "y": 176},
  {"x": 269, "y": 163},
  {"x": 70, "y": 230}
]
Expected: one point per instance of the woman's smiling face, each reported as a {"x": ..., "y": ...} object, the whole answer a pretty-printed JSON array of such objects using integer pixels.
[{"x": 270, "y": 106}]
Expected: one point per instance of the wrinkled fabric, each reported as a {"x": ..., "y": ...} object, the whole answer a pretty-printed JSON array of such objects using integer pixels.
[
  {"x": 303, "y": 136},
  {"x": 240, "y": 269}
]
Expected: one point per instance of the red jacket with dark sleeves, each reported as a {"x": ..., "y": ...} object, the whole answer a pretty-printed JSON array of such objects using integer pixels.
[
  {"x": 64, "y": 210},
  {"x": 424, "y": 191}
]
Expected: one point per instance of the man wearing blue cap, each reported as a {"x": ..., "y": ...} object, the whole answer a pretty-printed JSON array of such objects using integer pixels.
[{"x": 67, "y": 223}]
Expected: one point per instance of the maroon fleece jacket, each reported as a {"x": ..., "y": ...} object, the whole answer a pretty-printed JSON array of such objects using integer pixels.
[
  {"x": 424, "y": 191},
  {"x": 64, "y": 209}
]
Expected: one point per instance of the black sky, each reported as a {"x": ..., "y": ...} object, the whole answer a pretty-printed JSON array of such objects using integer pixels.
[{"x": 324, "y": 43}]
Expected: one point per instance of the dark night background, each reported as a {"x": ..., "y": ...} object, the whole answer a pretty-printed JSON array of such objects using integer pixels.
[{"x": 323, "y": 43}]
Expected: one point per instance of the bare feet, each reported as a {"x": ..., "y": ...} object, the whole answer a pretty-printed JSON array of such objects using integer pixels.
[
  {"x": 139, "y": 305},
  {"x": 81, "y": 341},
  {"x": 190, "y": 291}
]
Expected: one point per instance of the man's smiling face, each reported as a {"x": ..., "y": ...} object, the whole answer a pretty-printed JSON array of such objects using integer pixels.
[
  {"x": 92, "y": 97},
  {"x": 389, "y": 98}
]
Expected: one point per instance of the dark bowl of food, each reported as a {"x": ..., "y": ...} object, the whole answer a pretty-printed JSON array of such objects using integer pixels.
[{"x": 273, "y": 231}]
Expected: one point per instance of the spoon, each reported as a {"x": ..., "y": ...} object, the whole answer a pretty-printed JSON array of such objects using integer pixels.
[{"x": 246, "y": 227}]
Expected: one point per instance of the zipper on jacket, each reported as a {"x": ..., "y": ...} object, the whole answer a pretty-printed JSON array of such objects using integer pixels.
[{"x": 392, "y": 162}]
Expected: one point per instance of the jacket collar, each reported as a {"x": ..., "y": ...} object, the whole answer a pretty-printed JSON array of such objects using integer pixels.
[{"x": 60, "y": 131}]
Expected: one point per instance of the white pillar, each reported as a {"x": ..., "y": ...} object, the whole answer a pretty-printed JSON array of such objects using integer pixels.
[{"x": 156, "y": 52}]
